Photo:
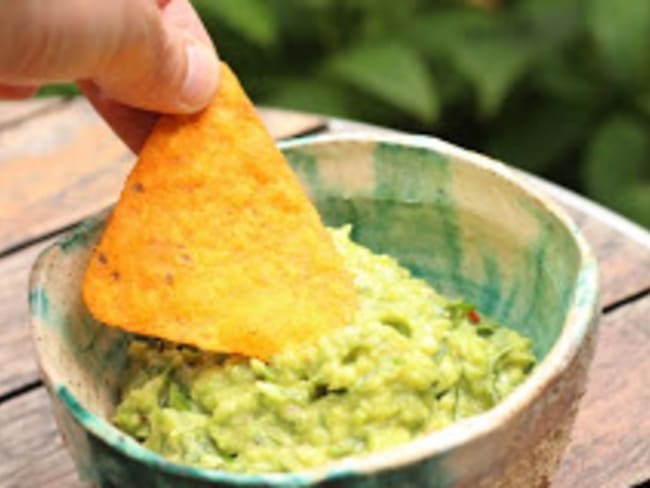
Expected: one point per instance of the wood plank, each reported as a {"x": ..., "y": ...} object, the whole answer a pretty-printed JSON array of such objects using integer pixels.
[
  {"x": 58, "y": 168},
  {"x": 610, "y": 444},
  {"x": 624, "y": 263},
  {"x": 16, "y": 112},
  {"x": 284, "y": 124},
  {"x": 16, "y": 351},
  {"x": 67, "y": 164},
  {"x": 31, "y": 451}
]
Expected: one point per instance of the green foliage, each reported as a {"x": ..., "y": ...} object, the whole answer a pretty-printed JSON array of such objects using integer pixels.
[
  {"x": 558, "y": 87},
  {"x": 392, "y": 72},
  {"x": 58, "y": 89},
  {"x": 621, "y": 31},
  {"x": 252, "y": 19},
  {"x": 617, "y": 165},
  {"x": 484, "y": 49}
]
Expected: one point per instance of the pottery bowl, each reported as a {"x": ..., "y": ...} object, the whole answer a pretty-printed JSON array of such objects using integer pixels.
[{"x": 461, "y": 221}]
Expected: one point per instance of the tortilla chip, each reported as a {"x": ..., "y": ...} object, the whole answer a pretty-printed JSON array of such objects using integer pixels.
[{"x": 214, "y": 243}]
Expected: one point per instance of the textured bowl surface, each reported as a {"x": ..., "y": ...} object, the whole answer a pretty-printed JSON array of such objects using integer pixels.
[{"x": 457, "y": 219}]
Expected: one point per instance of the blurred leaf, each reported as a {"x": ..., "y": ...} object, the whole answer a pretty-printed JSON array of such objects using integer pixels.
[
  {"x": 550, "y": 130},
  {"x": 322, "y": 23},
  {"x": 493, "y": 65},
  {"x": 562, "y": 79},
  {"x": 643, "y": 103},
  {"x": 58, "y": 89},
  {"x": 637, "y": 204},
  {"x": 252, "y": 19},
  {"x": 385, "y": 16},
  {"x": 436, "y": 33},
  {"x": 391, "y": 72},
  {"x": 309, "y": 94},
  {"x": 553, "y": 22},
  {"x": 617, "y": 157},
  {"x": 491, "y": 53},
  {"x": 621, "y": 30},
  {"x": 528, "y": 81}
]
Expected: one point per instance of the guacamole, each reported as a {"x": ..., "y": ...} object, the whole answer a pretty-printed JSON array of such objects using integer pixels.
[{"x": 412, "y": 362}]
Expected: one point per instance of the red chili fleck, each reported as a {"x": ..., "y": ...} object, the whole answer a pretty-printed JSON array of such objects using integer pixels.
[{"x": 474, "y": 317}]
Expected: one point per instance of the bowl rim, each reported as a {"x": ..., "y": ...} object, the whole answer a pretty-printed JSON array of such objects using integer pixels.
[{"x": 580, "y": 318}]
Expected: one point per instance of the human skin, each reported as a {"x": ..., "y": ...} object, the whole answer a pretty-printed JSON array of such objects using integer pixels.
[{"x": 133, "y": 59}]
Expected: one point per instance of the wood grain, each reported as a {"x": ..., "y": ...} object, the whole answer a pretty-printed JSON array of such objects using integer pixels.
[
  {"x": 16, "y": 352},
  {"x": 58, "y": 168},
  {"x": 16, "y": 112},
  {"x": 31, "y": 452},
  {"x": 610, "y": 444},
  {"x": 284, "y": 124},
  {"x": 67, "y": 164}
]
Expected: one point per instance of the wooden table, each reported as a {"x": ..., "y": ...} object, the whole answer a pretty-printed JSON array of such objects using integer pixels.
[{"x": 60, "y": 163}]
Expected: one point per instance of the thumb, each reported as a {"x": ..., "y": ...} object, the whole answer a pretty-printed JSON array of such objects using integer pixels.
[
  {"x": 153, "y": 55},
  {"x": 173, "y": 67}
]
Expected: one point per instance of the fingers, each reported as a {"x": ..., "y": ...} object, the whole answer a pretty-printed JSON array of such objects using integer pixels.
[
  {"x": 181, "y": 72},
  {"x": 181, "y": 14},
  {"x": 16, "y": 92},
  {"x": 57, "y": 41},
  {"x": 132, "y": 125},
  {"x": 152, "y": 55}
]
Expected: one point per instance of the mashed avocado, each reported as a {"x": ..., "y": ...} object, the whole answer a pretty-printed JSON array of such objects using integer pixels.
[{"x": 412, "y": 362}]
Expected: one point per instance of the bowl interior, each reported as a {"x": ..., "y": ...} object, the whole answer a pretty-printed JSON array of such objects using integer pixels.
[
  {"x": 453, "y": 220},
  {"x": 461, "y": 226}
]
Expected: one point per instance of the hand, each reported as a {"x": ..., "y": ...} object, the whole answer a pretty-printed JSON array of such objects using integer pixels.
[{"x": 131, "y": 58}]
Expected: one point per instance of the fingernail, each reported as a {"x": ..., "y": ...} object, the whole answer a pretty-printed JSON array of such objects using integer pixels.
[{"x": 201, "y": 78}]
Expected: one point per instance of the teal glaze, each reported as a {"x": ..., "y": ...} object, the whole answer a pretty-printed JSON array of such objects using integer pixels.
[
  {"x": 391, "y": 221},
  {"x": 101, "y": 349},
  {"x": 508, "y": 301},
  {"x": 115, "y": 460},
  {"x": 437, "y": 210},
  {"x": 395, "y": 167},
  {"x": 588, "y": 275},
  {"x": 39, "y": 303},
  {"x": 552, "y": 282},
  {"x": 305, "y": 165},
  {"x": 492, "y": 286},
  {"x": 79, "y": 236},
  {"x": 80, "y": 413},
  {"x": 141, "y": 467}
]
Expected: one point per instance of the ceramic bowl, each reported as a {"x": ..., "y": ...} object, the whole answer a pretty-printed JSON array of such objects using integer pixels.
[{"x": 461, "y": 221}]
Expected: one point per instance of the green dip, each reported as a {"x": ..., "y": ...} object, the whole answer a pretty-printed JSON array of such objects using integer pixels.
[{"x": 412, "y": 362}]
